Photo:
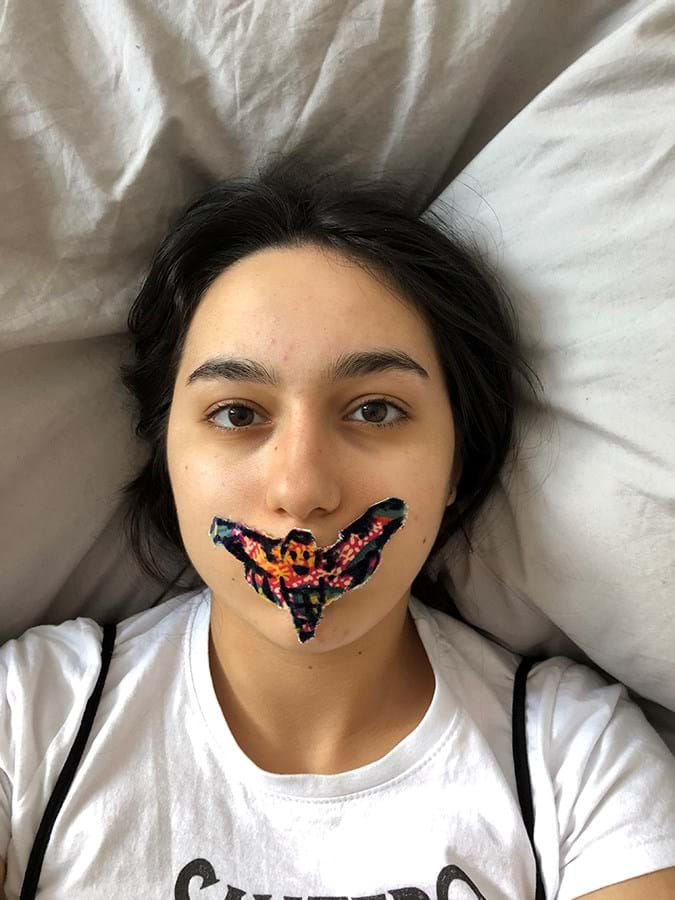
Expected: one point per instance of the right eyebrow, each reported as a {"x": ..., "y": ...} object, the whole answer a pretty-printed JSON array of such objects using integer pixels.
[{"x": 349, "y": 365}]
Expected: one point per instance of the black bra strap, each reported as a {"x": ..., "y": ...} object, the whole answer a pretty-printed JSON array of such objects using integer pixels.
[
  {"x": 520, "y": 759},
  {"x": 37, "y": 854}
]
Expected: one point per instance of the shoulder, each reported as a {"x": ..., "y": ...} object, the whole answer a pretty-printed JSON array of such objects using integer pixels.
[
  {"x": 52, "y": 669},
  {"x": 46, "y": 657},
  {"x": 577, "y": 705},
  {"x": 555, "y": 686},
  {"x": 477, "y": 666},
  {"x": 71, "y": 642},
  {"x": 48, "y": 674},
  {"x": 605, "y": 774},
  {"x": 43, "y": 673},
  {"x": 586, "y": 726}
]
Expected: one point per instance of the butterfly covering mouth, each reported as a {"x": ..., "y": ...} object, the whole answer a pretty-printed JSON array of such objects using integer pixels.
[{"x": 297, "y": 574}]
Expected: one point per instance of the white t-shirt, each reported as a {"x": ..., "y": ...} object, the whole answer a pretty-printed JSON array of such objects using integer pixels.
[{"x": 165, "y": 803}]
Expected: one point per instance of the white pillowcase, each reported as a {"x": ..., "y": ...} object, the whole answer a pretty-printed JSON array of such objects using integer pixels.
[{"x": 574, "y": 203}]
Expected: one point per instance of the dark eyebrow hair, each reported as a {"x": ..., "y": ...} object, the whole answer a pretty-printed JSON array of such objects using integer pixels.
[{"x": 348, "y": 365}]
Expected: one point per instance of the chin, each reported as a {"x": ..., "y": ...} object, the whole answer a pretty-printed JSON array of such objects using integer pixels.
[{"x": 276, "y": 626}]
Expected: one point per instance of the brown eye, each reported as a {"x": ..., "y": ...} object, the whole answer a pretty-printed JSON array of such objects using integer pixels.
[
  {"x": 238, "y": 415},
  {"x": 375, "y": 404},
  {"x": 371, "y": 409}
]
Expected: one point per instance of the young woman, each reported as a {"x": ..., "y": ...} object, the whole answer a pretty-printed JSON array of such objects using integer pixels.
[{"x": 326, "y": 383}]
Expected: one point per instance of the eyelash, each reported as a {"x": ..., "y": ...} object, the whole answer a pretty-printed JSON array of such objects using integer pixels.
[{"x": 211, "y": 416}]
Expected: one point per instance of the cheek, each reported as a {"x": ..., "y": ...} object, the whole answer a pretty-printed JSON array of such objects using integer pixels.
[
  {"x": 200, "y": 488},
  {"x": 427, "y": 497},
  {"x": 205, "y": 485},
  {"x": 421, "y": 527},
  {"x": 201, "y": 492},
  {"x": 425, "y": 474},
  {"x": 196, "y": 476}
]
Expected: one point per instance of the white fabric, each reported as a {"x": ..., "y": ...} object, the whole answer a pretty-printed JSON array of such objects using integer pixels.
[
  {"x": 164, "y": 784},
  {"x": 573, "y": 204}
]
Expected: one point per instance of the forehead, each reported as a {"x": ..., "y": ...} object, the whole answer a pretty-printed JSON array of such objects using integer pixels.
[{"x": 301, "y": 300}]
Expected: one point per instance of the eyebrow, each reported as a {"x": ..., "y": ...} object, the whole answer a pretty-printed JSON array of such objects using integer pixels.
[{"x": 347, "y": 365}]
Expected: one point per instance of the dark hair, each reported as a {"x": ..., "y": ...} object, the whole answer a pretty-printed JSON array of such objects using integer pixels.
[{"x": 293, "y": 202}]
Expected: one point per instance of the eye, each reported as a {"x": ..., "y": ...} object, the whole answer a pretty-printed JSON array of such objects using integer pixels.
[
  {"x": 241, "y": 412},
  {"x": 369, "y": 405},
  {"x": 238, "y": 415}
]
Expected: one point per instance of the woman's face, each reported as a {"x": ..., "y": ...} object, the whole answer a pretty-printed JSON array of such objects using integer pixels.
[{"x": 307, "y": 452}]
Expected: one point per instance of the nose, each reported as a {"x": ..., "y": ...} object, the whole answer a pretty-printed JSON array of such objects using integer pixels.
[{"x": 301, "y": 470}]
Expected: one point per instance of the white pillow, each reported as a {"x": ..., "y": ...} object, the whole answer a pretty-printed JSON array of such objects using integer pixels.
[{"x": 574, "y": 203}]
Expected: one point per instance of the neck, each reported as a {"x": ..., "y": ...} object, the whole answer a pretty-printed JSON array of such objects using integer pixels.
[{"x": 322, "y": 713}]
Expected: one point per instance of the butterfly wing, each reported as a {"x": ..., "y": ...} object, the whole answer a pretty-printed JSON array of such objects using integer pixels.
[
  {"x": 353, "y": 558},
  {"x": 258, "y": 553}
]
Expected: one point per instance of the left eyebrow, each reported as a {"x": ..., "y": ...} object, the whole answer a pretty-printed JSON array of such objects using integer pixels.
[{"x": 348, "y": 365}]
